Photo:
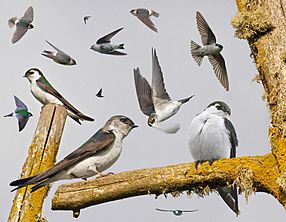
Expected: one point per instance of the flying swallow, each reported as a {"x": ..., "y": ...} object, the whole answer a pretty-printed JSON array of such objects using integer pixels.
[
  {"x": 154, "y": 101},
  {"x": 99, "y": 94},
  {"x": 44, "y": 92},
  {"x": 85, "y": 18},
  {"x": 97, "y": 154},
  {"x": 211, "y": 49},
  {"x": 22, "y": 24},
  {"x": 21, "y": 113},
  {"x": 211, "y": 136},
  {"x": 144, "y": 16},
  {"x": 104, "y": 45},
  {"x": 59, "y": 56},
  {"x": 176, "y": 212}
]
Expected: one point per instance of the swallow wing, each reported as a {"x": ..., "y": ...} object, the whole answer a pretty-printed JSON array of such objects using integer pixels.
[
  {"x": 19, "y": 104},
  {"x": 163, "y": 210},
  {"x": 19, "y": 33},
  {"x": 107, "y": 38},
  {"x": 29, "y": 15},
  {"x": 144, "y": 93},
  {"x": 219, "y": 68},
  {"x": 158, "y": 86},
  {"x": 143, "y": 16},
  {"x": 22, "y": 121},
  {"x": 205, "y": 31},
  {"x": 117, "y": 53}
]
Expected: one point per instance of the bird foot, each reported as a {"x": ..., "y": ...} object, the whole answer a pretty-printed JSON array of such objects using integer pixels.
[
  {"x": 105, "y": 174},
  {"x": 202, "y": 161},
  {"x": 84, "y": 179}
]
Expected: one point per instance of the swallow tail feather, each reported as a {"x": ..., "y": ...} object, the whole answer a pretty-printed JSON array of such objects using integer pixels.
[
  {"x": 156, "y": 14},
  {"x": 121, "y": 46},
  {"x": 229, "y": 195},
  {"x": 186, "y": 99},
  {"x": 197, "y": 57}
]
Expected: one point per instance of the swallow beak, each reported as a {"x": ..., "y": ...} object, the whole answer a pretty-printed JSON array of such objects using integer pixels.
[
  {"x": 134, "y": 126},
  {"x": 149, "y": 124}
]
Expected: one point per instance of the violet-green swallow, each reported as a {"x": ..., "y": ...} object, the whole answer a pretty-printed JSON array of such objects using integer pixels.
[
  {"x": 99, "y": 94},
  {"x": 211, "y": 136},
  {"x": 154, "y": 101},
  {"x": 85, "y": 18},
  {"x": 176, "y": 212},
  {"x": 211, "y": 49},
  {"x": 144, "y": 16},
  {"x": 104, "y": 45},
  {"x": 59, "y": 56},
  {"x": 97, "y": 154},
  {"x": 21, "y": 113},
  {"x": 22, "y": 24},
  {"x": 43, "y": 91}
]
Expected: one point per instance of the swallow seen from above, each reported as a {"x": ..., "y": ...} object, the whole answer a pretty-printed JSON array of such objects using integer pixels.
[
  {"x": 22, "y": 24},
  {"x": 21, "y": 113},
  {"x": 154, "y": 100},
  {"x": 176, "y": 212},
  {"x": 211, "y": 49},
  {"x": 97, "y": 154},
  {"x": 85, "y": 18},
  {"x": 43, "y": 91},
  {"x": 211, "y": 136},
  {"x": 104, "y": 45},
  {"x": 144, "y": 16},
  {"x": 99, "y": 94},
  {"x": 59, "y": 56}
]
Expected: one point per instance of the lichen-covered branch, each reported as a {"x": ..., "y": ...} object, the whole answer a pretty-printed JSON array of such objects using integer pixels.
[
  {"x": 41, "y": 156},
  {"x": 249, "y": 173}
]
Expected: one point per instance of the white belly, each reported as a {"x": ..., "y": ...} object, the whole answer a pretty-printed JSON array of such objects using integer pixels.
[
  {"x": 100, "y": 162},
  {"x": 44, "y": 97},
  {"x": 165, "y": 112},
  {"x": 208, "y": 140}
]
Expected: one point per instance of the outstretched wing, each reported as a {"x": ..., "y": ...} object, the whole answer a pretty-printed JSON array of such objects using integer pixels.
[
  {"x": 144, "y": 93},
  {"x": 143, "y": 16},
  {"x": 205, "y": 31},
  {"x": 19, "y": 33},
  {"x": 29, "y": 14},
  {"x": 107, "y": 38},
  {"x": 19, "y": 104}
]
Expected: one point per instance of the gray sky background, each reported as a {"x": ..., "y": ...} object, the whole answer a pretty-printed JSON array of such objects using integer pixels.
[{"x": 61, "y": 22}]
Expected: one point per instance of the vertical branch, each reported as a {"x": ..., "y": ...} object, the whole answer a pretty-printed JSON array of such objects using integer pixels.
[{"x": 41, "y": 156}]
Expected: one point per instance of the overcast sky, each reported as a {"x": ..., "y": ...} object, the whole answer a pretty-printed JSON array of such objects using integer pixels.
[{"x": 61, "y": 22}]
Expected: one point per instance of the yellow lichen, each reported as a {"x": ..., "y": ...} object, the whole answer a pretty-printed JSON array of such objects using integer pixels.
[
  {"x": 251, "y": 24},
  {"x": 245, "y": 182},
  {"x": 281, "y": 180}
]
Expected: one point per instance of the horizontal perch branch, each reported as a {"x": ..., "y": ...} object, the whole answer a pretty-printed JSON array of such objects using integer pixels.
[{"x": 249, "y": 173}]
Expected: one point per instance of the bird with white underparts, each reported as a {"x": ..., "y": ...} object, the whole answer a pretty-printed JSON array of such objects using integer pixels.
[
  {"x": 59, "y": 56},
  {"x": 144, "y": 16},
  {"x": 93, "y": 157},
  {"x": 211, "y": 49},
  {"x": 176, "y": 212},
  {"x": 154, "y": 101},
  {"x": 21, "y": 113},
  {"x": 45, "y": 93},
  {"x": 22, "y": 24},
  {"x": 104, "y": 45},
  {"x": 211, "y": 136}
]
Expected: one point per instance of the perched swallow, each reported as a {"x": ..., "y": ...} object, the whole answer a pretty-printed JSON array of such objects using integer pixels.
[
  {"x": 211, "y": 49},
  {"x": 85, "y": 18},
  {"x": 176, "y": 212},
  {"x": 22, "y": 24},
  {"x": 21, "y": 113},
  {"x": 104, "y": 45},
  {"x": 43, "y": 91},
  {"x": 97, "y": 154},
  {"x": 99, "y": 94},
  {"x": 211, "y": 136},
  {"x": 154, "y": 101},
  {"x": 144, "y": 16},
  {"x": 59, "y": 56}
]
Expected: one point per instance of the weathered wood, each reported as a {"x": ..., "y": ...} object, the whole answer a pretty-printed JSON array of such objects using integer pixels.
[
  {"x": 41, "y": 156},
  {"x": 249, "y": 173}
]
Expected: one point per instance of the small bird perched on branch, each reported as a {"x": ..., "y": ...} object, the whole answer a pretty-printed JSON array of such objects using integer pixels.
[
  {"x": 97, "y": 154},
  {"x": 43, "y": 91},
  {"x": 211, "y": 136},
  {"x": 22, "y": 24}
]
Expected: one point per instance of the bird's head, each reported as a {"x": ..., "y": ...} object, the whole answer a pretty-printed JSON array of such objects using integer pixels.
[
  {"x": 72, "y": 62},
  {"x": 30, "y": 26},
  {"x": 152, "y": 119},
  {"x": 119, "y": 125},
  {"x": 33, "y": 74},
  {"x": 133, "y": 11},
  {"x": 219, "y": 108},
  {"x": 30, "y": 114}
]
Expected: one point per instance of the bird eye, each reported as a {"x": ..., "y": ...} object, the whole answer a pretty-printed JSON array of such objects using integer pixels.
[{"x": 123, "y": 120}]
